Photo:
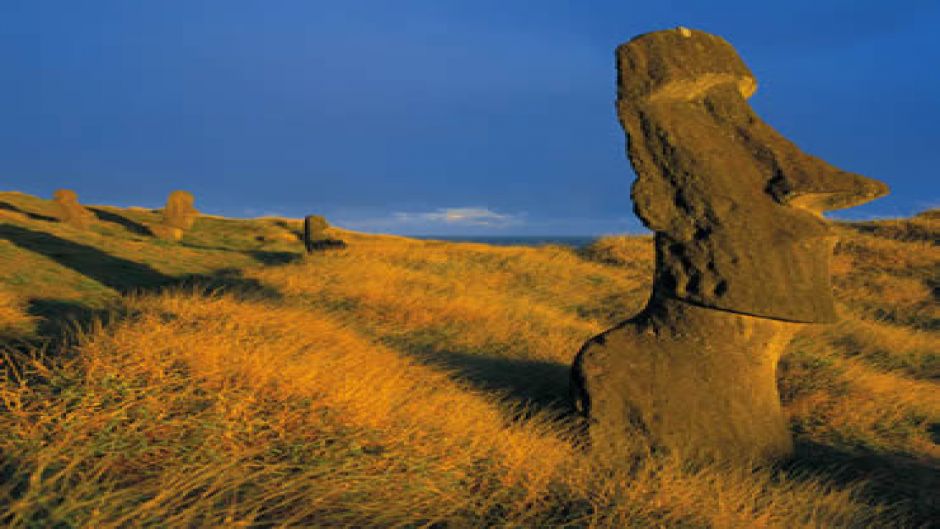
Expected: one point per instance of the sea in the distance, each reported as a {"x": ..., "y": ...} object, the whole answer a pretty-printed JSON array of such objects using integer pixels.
[{"x": 516, "y": 240}]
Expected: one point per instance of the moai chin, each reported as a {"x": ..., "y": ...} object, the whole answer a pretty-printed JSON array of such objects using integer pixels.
[{"x": 742, "y": 259}]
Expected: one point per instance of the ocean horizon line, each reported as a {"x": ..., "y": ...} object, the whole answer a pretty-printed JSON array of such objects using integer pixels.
[{"x": 515, "y": 240}]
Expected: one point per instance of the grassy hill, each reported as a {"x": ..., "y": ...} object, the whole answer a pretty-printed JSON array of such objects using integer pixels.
[{"x": 230, "y": 381}]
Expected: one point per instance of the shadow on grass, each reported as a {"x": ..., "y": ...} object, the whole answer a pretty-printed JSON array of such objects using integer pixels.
[
  {"x": 59, "y": 318},
  {"x": 120, "y": 274},
  {"x": 534, "y": 385},
  {"x": 33, "y": 216},
  {"x": 227, "y": 281},
  {"x": 912, "y": 485},
  {"x": 274, "y": 258},
  {"x": 132, "y": 226},
  {"x": 265, "y": 257},
  {"x": 127, "y": 276}
]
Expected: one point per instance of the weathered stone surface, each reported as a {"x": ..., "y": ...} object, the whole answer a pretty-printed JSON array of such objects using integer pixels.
[
  {"x": 691, "y": 379},
  {"x": 69, "y": 211},
  {"x": 315, "y": 227},
  {"x": 315, "y": 236},
  {"x": 734, "y": 204},
  {"x": 179, "y": 211},
  {"x": 742, "y": 256}
]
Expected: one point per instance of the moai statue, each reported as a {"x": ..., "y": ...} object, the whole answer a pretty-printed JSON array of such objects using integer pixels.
[
  {"x": 179, "y": 211},
  {"x": 179, "y": 215},
  {"x": 69, "y": 211},
  {"x": 315, "y": 237},
  {"x": 742, "y": 259}
]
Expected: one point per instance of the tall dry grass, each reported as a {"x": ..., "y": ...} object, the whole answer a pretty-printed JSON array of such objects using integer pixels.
[
  {"x": 14, "y": 320},
  {"x": 214, "y": 411},
  {"x": 403, "y": 383}
]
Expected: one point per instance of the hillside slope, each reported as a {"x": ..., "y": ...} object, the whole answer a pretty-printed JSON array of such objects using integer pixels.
[{"x": 228, "y": 380}]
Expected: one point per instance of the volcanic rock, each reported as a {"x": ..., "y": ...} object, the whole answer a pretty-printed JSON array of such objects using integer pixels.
[{"x": 742, "y": 257}]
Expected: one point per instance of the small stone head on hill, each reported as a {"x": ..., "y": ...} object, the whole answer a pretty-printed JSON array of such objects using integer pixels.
[
  {"x": 315, "y": 236},
  {"x": 69, "y": 211},
  {"x": 179, "y": 211}
]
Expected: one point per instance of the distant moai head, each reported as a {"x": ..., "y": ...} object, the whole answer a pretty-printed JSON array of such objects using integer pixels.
[
  {"x": 315, "y": 227},
  {"x": 315, "y": 237},
  {"x": 69, "y": 211},
  {"x": 179, "y": 212},
  {"x": 65, "y": 196},
  {"x": 736, "y": 207}
]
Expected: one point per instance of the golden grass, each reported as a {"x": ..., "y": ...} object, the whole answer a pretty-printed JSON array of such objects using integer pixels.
[
  {"x": 403, "y": 383},
  {"x": 212, "y": 411},
  {"x": 887, "y": 346},
  {"x": 510, "y": 302},
  {"x": 889, "y": 278},
  {"x": 14, "y": 321},
  {"x": 620, "y": 250}
]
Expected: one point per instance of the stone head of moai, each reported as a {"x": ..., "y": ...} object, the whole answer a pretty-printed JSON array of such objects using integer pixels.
[
  {"x": 316, "y": 226},
  {"x": 315, "y": 236},
  {"x": 179, "y": 212},
  {"x": 69, "y": 211},
  {"x": 742, "y": 257},
  {"x": 734, "y": 204}
]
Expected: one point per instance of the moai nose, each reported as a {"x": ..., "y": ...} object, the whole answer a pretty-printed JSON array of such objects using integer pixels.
[{"x": 811, "y": 183}]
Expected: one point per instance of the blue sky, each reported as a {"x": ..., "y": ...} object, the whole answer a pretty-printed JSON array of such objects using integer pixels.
[{"x": 432, "y": 117}]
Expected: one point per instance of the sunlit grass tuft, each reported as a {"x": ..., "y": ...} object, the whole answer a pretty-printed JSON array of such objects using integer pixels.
[{"x": 14, "y": 321}]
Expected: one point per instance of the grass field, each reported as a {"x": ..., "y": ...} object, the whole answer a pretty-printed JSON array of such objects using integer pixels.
[{"x": 230, "y": 381}]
